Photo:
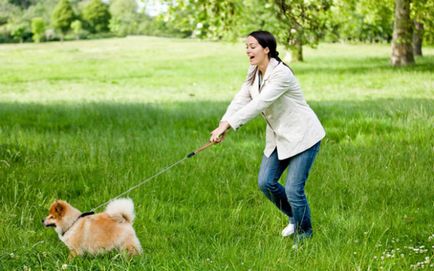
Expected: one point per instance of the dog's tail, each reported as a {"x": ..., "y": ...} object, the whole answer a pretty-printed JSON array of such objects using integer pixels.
[{"x": 121, "y": 210}]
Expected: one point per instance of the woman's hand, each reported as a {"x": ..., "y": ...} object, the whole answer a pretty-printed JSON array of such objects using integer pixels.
[{"x": 218, "y": 135}]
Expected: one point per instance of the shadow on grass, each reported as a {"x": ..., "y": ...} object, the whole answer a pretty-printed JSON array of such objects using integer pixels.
[
  {"x": 202, "y": 115},
  {"x": 180, "y": 121}
]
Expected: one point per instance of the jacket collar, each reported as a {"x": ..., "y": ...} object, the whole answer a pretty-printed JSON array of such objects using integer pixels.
[{"x": 270, "y": 67}]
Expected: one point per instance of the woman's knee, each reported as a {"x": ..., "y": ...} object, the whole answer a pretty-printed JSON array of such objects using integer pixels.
[
  {"x": 262, "y": 183},
  {"x": 268, "y": 185},
  {"x": 295, "y": 195}
]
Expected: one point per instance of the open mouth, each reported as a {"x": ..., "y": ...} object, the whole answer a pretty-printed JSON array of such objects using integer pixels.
[{"x": 251, "y": 57}]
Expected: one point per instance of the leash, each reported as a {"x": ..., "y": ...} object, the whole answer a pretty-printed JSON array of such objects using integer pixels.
[{"x": 192, "y": 154}]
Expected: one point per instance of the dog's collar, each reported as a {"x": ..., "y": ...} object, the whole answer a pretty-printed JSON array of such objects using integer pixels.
[{"x": 80, "y": 216}]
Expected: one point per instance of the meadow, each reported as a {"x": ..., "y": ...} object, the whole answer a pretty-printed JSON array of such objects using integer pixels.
[{"x": 86, "y": 120}]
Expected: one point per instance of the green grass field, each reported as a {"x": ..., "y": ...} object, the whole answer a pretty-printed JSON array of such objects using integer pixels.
[{"x": 86, "y": 120}]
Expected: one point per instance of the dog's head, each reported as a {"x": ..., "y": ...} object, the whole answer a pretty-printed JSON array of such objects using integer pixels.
[{"x": 58, "y": 216}]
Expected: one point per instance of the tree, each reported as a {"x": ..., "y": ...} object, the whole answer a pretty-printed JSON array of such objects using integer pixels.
[
  {"x": 124, "y": 19},
  {"x": 21, "y": 3},
  {"x": 417, "y": 38},
  {"x": 9, "y": 17},
  {"x": 402, "y": 50},
  {"x": 97, "y": 16},
  {"x": 62, "y": 17},
  {"x": 41, "y": 8},
  {"x": 18, "y": 31},
  {"x": 305, "y": 23},
  {"x": 295, "y": 22},
  {"x": 423, "y": 19},
  {"x": 38, "y": 28},
  {"x": 361, "y": 20},
  {"x": 258, "y": 18},
  {"x": 211, "y": 19},
  {"x": 77, "y": 28}
]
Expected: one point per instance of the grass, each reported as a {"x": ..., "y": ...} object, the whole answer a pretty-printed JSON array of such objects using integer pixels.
[{"x": 84, "y": 121}]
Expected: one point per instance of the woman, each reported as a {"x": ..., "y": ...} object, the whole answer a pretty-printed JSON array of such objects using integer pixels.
[{"x": 293, "y": 132}]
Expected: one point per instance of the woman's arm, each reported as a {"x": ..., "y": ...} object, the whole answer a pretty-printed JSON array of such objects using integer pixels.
[
  {"x": 242, "y": 97},
  {"x": 278, "y": 84},
  {"x": 218, "y": 135},
  {"x": 239, "y": 101}
]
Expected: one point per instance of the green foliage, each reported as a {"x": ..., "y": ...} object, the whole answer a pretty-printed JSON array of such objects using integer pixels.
[
  {"x": 20, "y": 31},
  {"x": 365, "y": 20},
  {"x": 42, "y": 9},
  {"x": 62, "y": 16},
  {"x": 294, "y": 22},
  {"x": 258, "y": 18},
  {"x": 77, "y": 28},
  {"x": 205, "y": 19},
  {"x": 9, "y": 15},
  {"x": 156, "y": 26},
  {"x": 8, "y": 12},
  {"x": 305, "y": 20},
  {"x": 422, "y": 12},
  {"x": 21, "y": 3},
  {"x": 124, "y": 18},
  {"x": 97, "y": 16},
  {"x": 38, "y": 28}
]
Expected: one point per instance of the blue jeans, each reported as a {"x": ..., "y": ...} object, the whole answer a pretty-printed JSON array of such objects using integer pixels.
[{"x": 290, "y": 199}]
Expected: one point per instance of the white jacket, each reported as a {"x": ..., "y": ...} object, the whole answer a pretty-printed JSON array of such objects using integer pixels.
[{"x": 292, "y": 126}]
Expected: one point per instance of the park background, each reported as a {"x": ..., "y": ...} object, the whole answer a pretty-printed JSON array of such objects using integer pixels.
[{"x": 96, "y": 96}]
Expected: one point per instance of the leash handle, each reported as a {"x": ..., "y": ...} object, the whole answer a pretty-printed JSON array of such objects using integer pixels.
[{"x": 207, "y": 145}]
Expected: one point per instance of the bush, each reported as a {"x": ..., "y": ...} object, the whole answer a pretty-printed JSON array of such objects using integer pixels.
[
  {"x": 38, "y": 28},
  {"x": 97, "y": 16},
  {"x": 20, "y": 32}
]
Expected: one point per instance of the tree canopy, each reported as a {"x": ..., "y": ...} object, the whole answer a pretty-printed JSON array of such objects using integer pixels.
[
  {"x": 97, "y": 16},
  {"x": 62, "y": 16}
]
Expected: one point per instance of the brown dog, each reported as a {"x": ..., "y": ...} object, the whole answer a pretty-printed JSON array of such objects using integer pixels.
[{"x": 95, "y": 233}]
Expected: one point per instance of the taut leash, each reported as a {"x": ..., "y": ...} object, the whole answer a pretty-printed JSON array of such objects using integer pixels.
[{"x": 205, "y": 146}]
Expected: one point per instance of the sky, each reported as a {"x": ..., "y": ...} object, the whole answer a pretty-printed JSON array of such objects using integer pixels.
[{"x": 153, "y": 7}]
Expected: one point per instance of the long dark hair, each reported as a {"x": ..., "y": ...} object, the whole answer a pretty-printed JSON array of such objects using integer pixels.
[{"x": 265, "y": 39}]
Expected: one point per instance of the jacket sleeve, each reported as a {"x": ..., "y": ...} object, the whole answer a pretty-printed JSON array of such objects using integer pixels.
[
  {"x": 277, "y": 85},
  {"x": 241, "y": 98}
]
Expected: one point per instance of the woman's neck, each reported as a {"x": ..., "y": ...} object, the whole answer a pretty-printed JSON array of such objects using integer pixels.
[{"x": 263, "y": 66}]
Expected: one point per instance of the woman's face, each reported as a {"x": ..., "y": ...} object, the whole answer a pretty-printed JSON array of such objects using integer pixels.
[{"x": 257, "y": 55}]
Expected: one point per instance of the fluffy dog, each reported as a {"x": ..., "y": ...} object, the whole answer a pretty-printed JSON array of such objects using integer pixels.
[{"x": 95, "y": 233}]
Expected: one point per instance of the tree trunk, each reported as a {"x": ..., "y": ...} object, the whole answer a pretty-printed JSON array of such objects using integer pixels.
[
  {"x": 297, "y": 51},
  {"x": 296, "y": 43},
  {"x": 402, "y": 49},
  {"x": 417, "y": 38}
]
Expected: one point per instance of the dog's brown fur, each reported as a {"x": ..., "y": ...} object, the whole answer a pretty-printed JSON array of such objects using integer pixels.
[{"x": 96, "y": 233}]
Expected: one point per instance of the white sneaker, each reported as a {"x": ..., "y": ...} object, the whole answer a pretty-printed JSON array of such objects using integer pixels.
[{"x": 288, "y": 230}]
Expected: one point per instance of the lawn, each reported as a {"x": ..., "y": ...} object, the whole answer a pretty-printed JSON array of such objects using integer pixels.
[{"x": 86, "y": 120}]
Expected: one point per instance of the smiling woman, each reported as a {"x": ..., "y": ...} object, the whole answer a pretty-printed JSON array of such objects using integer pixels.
[{"x": 293, "y": 133}]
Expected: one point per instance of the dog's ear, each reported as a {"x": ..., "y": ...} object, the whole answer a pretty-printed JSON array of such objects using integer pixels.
[{"x": 58, "y": 208}]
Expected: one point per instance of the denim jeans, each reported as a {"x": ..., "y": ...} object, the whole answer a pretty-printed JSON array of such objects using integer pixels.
[{"x": 290, "y": 199}]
